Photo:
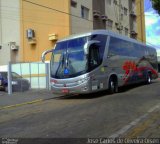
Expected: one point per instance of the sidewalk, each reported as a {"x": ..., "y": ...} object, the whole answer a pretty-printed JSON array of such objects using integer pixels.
[
  {"x": 147, "y": 128},
  {"x": 24, "y": 97},
  {"x": 153, "y": 130}
]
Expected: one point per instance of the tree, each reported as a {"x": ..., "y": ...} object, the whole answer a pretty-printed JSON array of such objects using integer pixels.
[{"x": 156, "y": 5}]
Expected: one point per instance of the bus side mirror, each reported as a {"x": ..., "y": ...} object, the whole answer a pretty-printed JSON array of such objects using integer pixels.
[
  {"x": 44, "y": 54},
  {"x": 88, "y": 44}
]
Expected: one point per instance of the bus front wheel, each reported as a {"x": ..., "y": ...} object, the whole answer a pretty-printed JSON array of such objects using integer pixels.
[{"x": 113, "y": 85}]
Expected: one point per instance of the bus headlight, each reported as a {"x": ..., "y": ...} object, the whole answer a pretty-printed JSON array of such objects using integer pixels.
[
  {"x": 83, "y": 80},
  {"x": 80, "y": 82}
]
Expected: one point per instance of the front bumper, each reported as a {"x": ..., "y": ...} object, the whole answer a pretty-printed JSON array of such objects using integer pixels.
[{"x": 79, "y": 89}]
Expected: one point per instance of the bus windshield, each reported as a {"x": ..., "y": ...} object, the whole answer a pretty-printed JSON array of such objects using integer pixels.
[{"x": 68, "y": 59}]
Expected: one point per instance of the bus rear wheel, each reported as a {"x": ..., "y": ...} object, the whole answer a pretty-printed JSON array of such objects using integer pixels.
[
  {"x": 113, "y": 85},
  {"x": 149, "y": 78}
]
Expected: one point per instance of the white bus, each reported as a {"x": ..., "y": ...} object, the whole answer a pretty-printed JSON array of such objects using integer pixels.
[{"x": 99, "y": 60}]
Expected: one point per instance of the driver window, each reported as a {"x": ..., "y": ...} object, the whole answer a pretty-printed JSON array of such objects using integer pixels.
[{"x": 94, "y": 59}]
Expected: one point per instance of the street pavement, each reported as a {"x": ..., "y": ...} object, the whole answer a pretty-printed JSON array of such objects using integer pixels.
[
  {"x": 24, "y": 97},
  {"x": 132, "y": 113}
]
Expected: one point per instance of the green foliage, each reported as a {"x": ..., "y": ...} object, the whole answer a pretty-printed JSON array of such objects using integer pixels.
[{"x": 156, "y": 5}]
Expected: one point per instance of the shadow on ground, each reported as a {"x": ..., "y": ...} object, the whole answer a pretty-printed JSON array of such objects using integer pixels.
[{"x": 102, "y": 93}]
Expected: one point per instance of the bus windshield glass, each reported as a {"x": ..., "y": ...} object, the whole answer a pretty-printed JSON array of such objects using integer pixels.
[{"x": 68, "y": 59}]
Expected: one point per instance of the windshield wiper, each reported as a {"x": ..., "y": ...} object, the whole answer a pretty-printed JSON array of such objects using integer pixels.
[
  {"x": 62, "y": 61},
  {"x": 67, "y": 59}
]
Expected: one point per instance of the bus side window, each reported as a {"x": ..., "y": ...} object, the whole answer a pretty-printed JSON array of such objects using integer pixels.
[{"x": 94, "y": 57}]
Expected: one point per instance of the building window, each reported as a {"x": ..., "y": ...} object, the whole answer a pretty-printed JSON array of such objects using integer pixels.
[
  {"x": 84, "y": 12},
  {"x": 126, "y": 31},
  {"x": 125, "y": 11},
  {"x": 109, "y": 2},
  {"x": 73, "y": 3},
  {"x": 115, "y": 2},
  {"x": 110, "y": 23},
  {"x": 121, "y": 17}
]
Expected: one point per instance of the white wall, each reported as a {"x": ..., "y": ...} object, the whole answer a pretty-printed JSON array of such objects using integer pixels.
[
  {"x": 34, "y": 72},
  {"x": 3, "y": 68},
  {"x": 10, "y": 26}
]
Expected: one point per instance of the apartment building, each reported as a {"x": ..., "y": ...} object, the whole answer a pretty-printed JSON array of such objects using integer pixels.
[
  {"x": 28, "y": 27},
  {"x": 122, "y": 16},
  {"x": 81, "y": 19}
]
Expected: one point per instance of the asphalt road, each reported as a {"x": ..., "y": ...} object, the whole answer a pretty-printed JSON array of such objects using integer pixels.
[{"x": 95, "y": 115}]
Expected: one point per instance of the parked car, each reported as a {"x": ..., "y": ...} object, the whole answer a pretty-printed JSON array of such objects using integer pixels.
[{"x": 18, "y": 82}]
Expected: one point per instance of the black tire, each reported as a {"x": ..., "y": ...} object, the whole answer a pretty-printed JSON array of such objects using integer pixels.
[
  {"x": 149, "y": 78},
  {"x": 113, "y": 85}
]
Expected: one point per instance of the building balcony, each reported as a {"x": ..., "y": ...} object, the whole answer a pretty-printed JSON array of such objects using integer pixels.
[
  {"x": 133, "y": 34},
  {"x": 133, "y": 14},
  {"x": 119, "y": 26},
  {"x": 104, "y": 18},
  {"x": 96, "y": 14}
]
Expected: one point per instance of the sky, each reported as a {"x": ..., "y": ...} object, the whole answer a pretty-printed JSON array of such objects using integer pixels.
[{"x": 152, "y": 20}]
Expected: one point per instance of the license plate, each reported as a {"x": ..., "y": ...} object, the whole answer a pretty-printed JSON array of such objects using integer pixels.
[{"x": 65, "y": 91}]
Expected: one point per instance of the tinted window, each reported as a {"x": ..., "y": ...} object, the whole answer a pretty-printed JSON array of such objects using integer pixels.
[
  {"x": 94, "y": 57},
  {"x": 125, "y": 48},
  {"x": 15, "y": 75},
  {"x": 4, "y": 75},
  {"x": 152, "y": 52},
  {"x": 152, "y": 55},
  {"x": 119, "y": 47},
  {"x": 101, "y": 45},
  {"x": 139, "y": 51}
]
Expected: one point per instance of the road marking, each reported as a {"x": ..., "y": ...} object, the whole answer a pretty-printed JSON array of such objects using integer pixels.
[
  {"x": 21, "y": 104},
  {"x": 134, "y": 123},
  {"x": 154, "y": 108},
  {"x": 31, "y": 102},
  {"x": 142, "y": 127}
]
